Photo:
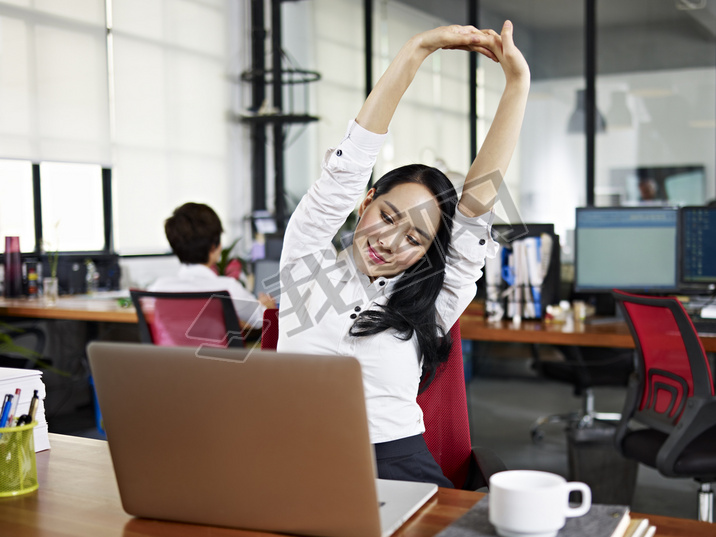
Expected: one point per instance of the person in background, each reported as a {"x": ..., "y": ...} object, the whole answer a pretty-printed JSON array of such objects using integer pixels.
[{"x": 194, "y": 233}]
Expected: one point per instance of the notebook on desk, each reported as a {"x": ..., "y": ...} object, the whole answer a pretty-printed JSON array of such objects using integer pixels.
[{"x": 267, "y": 441}]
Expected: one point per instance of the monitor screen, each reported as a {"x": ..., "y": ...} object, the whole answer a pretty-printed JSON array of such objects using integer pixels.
[
  {"x": 698, "y": 245},
  {"x": 629, "y": 248}
]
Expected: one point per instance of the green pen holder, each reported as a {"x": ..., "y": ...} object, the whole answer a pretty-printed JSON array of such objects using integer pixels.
[{"x": 18, "y": 466}]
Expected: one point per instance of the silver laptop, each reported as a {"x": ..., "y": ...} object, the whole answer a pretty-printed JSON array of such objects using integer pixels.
[{"x": 245, "y": 439}]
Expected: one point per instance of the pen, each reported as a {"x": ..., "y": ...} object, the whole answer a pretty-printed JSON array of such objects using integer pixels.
[
  {"x": 7, "y": 403},
  {"x": 13, "y": 409},
  {"x": 28, "y": 418},
  {"x": 33, "y": 407}
]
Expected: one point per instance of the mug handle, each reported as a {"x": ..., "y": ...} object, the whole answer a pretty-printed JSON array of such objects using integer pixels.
[{"x": 583, "y": 508}]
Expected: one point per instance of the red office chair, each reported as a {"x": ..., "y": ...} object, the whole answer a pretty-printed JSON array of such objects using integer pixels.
[
  {"x": 444, "y": 405},
  {"x": 671, "y": 396},
  {"x": 269, "y": 329},
  {"x": 187, "y": 319}
]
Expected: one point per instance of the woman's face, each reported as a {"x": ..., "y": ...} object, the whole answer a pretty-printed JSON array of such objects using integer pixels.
[{"x": 395, "y": 229}]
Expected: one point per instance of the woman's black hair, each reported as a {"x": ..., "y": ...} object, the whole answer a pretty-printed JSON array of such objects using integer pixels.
[{"x": 411, "y": 307}]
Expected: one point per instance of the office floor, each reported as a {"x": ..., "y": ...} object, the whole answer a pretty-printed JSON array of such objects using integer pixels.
[{"x": 505, "y": 398}]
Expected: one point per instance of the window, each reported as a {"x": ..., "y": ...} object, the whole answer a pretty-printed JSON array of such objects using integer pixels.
[
  {"x": 171, "y": 104},
  {"x": 53, "y": 82},
  {"x": 16, "y": 203},
  {"x": 143, "y": 92},
  {"x": 72, "y": 207}
]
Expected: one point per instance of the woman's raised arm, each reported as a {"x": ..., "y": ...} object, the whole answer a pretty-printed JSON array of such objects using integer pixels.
[{"x": 486, "y": 173}]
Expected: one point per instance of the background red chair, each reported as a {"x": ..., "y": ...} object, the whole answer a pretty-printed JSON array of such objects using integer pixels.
[
  {"x": 444, "y": 405},
  {"x": 670, "y": 397},
  {"x": 269, "y": 330},
  {"x": 187, "y": 319}
]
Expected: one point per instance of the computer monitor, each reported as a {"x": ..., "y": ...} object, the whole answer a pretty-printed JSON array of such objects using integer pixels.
[
  {"x": 266, "y": 278},
  {"x": 628, "y": 248},
  {"x": 698, "y": 247},
  {"x": 506, "y": 233}
]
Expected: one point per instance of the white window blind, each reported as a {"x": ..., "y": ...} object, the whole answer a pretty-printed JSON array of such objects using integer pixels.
[
  {"x": 150, "y": 101},
  {"x": 171, "y": 102},
  {"x": 53, "y": 81}
]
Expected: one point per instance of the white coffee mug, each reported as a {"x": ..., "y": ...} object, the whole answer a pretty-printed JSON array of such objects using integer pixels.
[{"x": 527, "y": 503}]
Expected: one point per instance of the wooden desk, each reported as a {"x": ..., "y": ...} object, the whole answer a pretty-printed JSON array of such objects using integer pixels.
[
  {"x": 78, "y": 497},
  {"x": 100, "y": 308},
  {"x": 472, "y": 323},
  {"x": 474, "y": 326}
]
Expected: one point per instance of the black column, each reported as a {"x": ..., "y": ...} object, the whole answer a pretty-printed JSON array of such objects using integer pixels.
[
  {"x": 473, "y": 8},
  {"x": 37, "y": 202},
  {"x": 107, "y": 209},
  {"x": 591, "y": 95},
  {"x": 258, "y": 94},
  {"x": 368, "y": 38},
  {"x": 278, "y": 138}
]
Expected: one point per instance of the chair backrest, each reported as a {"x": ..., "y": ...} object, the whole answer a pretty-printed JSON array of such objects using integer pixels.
[
  {"x": 672, "y": 364},
  {"x": 269, "y": 329},
  {"x": 447, "y": 425},
  {"x": 444, "y": 405},
  {"x": 187, "y": 319}
]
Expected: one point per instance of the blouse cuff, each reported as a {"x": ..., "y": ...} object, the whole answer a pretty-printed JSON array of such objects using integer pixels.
[
  {"x": 480, "y": 227},
  {"x": 367, "y": 141}
]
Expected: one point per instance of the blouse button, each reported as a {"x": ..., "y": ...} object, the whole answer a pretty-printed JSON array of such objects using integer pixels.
[
  {"x": 353, "y": 316},
  {"x": 381, "y": 282},
  {"x": 482, "y": 241},
  {"x": 357, "y": 308},
  {"x": 339, "y": 152}
]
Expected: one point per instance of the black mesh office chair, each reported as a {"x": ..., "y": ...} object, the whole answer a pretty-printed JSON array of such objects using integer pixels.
[{"x": 669, "y": 416}]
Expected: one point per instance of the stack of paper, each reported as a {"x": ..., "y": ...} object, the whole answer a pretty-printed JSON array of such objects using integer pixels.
[
  {"x": 27, "y": 380},
  {"x": 640, "y": 527}
]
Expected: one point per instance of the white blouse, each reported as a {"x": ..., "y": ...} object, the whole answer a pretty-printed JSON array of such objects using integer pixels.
[{"x": 322, "y": 292}]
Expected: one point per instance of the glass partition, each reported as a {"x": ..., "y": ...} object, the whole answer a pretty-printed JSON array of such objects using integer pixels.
[
  {"x": 547, "y": 175},
  {"x": 656, "y": 87}
]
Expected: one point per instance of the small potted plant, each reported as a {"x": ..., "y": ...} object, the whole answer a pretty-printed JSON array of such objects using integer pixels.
[{"x": 232, "y": 266}]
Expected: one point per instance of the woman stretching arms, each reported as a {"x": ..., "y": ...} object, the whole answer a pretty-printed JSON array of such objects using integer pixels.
[{"x": 390, "y": 298}]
